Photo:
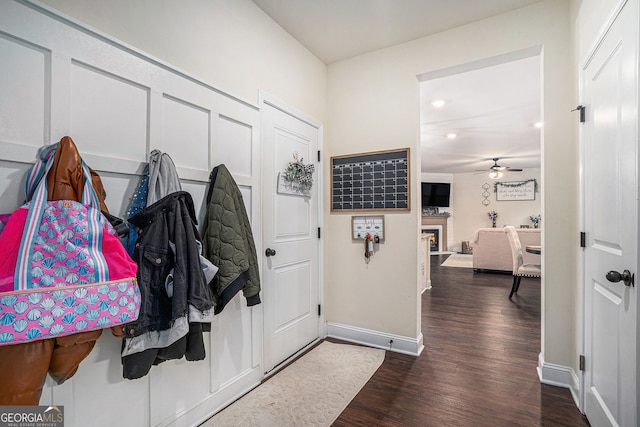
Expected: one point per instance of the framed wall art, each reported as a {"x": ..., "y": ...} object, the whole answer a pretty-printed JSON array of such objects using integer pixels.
[{"x": 516, "y": 190}]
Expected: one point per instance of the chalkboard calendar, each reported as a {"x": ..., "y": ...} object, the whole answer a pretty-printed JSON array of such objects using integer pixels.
[{"x": 371, "y": 181}]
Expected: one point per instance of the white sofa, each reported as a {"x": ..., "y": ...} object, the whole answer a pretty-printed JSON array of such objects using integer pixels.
[{"x": 491, "y": 249}]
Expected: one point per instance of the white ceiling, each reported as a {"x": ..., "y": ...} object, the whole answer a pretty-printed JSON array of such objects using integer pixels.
[
  {"x": 339, "y": 29},
  {"x": 491, "y": 109},
  {"x": 492, "y": 112}
]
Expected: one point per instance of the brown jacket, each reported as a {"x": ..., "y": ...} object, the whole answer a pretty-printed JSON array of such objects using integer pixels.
[{"x": 24, "y": 367}]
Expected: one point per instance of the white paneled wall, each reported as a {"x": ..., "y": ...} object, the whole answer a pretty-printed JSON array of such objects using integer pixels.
[
  {"x": 58, "y": 78},
  {"x": 25, "y": 121}
]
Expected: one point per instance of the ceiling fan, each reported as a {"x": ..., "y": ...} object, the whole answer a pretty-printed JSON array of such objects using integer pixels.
[{"x": 496, "y": 171}]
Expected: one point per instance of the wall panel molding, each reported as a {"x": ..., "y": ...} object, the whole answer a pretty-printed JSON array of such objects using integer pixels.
[{"x": 118, "y": 104}]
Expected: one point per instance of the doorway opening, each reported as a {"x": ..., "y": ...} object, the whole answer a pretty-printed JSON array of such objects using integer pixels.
[{"x": 480, "y": 124}]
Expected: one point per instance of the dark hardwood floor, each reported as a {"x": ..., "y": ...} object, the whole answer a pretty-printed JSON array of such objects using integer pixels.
[{"x": 478, "y": 367}]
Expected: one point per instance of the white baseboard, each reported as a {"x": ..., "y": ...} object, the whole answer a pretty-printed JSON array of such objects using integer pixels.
[
  {"x": 560, "y": 376},
  {"x": 383, "y": 340}
]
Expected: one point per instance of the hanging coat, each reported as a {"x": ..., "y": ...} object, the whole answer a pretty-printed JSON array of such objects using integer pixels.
[
  {"x": 228, "y": 242},
  {"x": 172, "y": 276}
]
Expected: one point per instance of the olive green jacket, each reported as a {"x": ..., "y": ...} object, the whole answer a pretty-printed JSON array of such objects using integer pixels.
[{"x": 228, "y": 242}]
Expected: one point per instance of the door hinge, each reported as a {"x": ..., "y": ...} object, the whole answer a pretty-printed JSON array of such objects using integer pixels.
[
  {"x": 583, "y": 239},
  {"x": 319, "y": 310},
  {"x": 318, "y": 232},
  {"x": 318, "y": 155},
  {"x": 580, "y": 108},
  {"x": 582, "y": 362}
]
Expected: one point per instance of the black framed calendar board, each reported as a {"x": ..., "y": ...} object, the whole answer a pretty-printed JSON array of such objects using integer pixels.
[{"x": 371, "y": 181}]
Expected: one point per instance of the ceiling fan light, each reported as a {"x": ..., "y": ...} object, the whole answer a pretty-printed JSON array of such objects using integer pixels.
[{"x": 495, "y": 174}]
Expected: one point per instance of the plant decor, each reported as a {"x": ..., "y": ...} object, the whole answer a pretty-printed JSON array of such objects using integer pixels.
[
  {"x": 516, "y": 184},
  {"x": 299, "y": 173},
  {"x": 535, "y": 219},
  {"x": 493, "y": 216}
]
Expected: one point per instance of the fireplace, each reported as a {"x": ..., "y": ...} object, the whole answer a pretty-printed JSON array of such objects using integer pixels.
[
  {"x": 439, "y": 222},
  {"x": 435, "y": 241}
]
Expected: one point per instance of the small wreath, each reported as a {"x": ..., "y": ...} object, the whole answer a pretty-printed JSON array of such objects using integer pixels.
[{"x": 298, "y": 172}]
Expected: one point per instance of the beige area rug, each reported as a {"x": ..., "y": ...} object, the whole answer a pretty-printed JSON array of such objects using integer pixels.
[
  {"x": 458, "y": 260},
  {"x": 312, "y": 391}
]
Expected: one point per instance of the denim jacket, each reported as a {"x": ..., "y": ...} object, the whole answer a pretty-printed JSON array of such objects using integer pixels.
[{"x": 172, "y": 281}]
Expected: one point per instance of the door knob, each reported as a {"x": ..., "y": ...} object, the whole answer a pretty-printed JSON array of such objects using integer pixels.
[
  {"x": 626, "y": 277},
  {"x": 270, "y": 252}
]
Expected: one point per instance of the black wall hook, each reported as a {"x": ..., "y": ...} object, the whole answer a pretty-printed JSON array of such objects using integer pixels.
[{"x": 580, "y": 108}]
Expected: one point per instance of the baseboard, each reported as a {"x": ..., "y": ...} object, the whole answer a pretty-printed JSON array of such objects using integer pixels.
[
  {"x": 383, "y": 340},
  {"x": 217, "y": 401},
  {"x": 560, "y": 376}
]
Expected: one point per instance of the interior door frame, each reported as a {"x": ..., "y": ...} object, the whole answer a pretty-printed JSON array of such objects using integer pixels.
[
  {"x": 582, "y": 309},
  {"x": 266, "y": 99}
]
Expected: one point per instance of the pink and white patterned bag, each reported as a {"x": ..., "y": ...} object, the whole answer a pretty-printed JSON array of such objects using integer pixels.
[{"x": 63, "y": 269}]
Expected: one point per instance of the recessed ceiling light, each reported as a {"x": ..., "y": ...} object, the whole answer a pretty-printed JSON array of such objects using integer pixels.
[
  {"x": 537, "y": 125},
  {"x": 438, "y": 103},
  {"x": 451, "y": 135}
]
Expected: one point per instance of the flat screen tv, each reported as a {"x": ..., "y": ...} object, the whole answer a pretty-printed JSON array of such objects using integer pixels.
[{"x": 435, "y": 194}]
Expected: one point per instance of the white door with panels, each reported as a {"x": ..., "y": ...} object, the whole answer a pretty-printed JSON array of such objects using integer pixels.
[
  {"x": 290, "y": 238},
  {"x": 611, "y": 223}
]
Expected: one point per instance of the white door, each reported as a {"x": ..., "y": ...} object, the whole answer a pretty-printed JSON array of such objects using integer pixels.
[
  {"x": 611, "y": 216},
  {"x": 290, "y": 239}
]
